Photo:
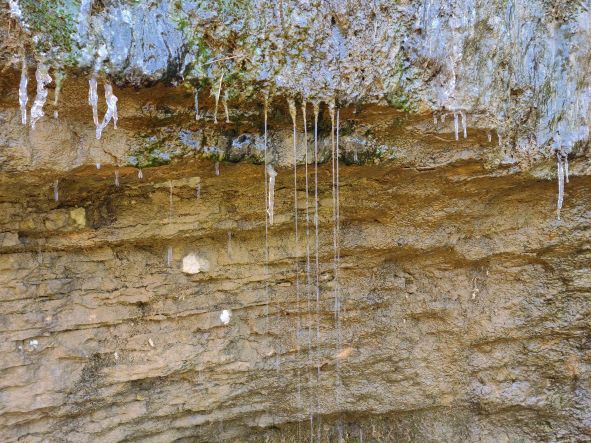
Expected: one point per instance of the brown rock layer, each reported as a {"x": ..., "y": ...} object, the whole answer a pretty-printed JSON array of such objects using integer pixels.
[{"x": 465, "y": 311}]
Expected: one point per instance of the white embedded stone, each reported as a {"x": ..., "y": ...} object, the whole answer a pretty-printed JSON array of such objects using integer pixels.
[
  {"x": 225, "y": 316},
  {"x": 193, "y": 264}
]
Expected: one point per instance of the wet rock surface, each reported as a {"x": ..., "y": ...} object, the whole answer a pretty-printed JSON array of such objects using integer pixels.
[
  {"x": 136, "y": 303},
  {"x": 465, "y": 307}
]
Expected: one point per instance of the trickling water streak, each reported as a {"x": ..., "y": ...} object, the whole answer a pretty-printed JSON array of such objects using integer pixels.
[
  {"x": 308, "y": 267},
  {"x": 271, "y": 173},
  {"x": 217, "y": 168},
  {"x": 293, "y": 113},
  {"x": 266, "y": 104},
  {"x": 169, "y": 257},
  {"x": 59, "y": 80},
  {"x": 560, "y": 185},
  {"x": 316, "y": 243},
  {"x": 170, "y": 201},
  {"x": 56, "y": 194},
  {"x": 225, "y": 103},
  {"x": 464, "y": 124},
  {"x": 140, "y": 174},
  {"x": 23, "y": 98},
  {"x": 43, "y": 79},
  {"x": 198, "y": 190},
  {"x": 117, "y": 178},
  {"x": 93, "y": 98},
  {"x": 111, "y": 113},
  {"x": 456, "y": 126}
]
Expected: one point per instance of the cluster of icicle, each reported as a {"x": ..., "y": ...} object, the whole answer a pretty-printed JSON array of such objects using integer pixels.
[
  {"x": 111, "y": 100},
  {"x": 43, "y": 79},
  {"x": 457, "y": 116}
]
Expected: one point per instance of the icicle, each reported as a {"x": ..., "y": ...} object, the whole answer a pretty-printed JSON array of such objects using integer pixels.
[
  {"x": 317, "y": 245},
  {"x": 456, "y": 126},
  {"x": 111, "y": 113},
  {"x": 140, "y": 174},
  {"x": 225, "y": 103},
  {"x": 169, "y": 256},
  {"x": 265, "y": 109},
  {"x": 56, "y": 194},
  {"x": 217, "y": 168},
  {"x": 293, "y": 114},
  {"x": 198, "y": 190},
  {"x": 59, "y": 80},
  {"x": 464, "y": 124},
  {"x": 93, "y": 98},
  {"x": 43, "y": 78},
  {"x": 499, "y": 138},
  {"x": 197, "y": 116},
  {"x": 117, "y": 178},
  {"x": 435, "y": 119},
  {"x": 566, "y": 168},
  {"x": 308, "y": 265},
  {"x": 272, "y": 174},
  {"x": 489, "y": 136},
  {"x": 23, "y": 98},
  {"x": 217, "y": 98},
  {"x": 560, "y": 173},
  {"x": 98, "y": 165}
]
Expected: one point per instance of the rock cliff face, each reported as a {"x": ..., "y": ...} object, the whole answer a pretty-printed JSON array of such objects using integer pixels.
[{"x": 144, "y": 296}]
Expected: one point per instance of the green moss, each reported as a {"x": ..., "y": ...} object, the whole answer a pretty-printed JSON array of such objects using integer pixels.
[
  {"x": 53, "y": 22},
  {"x": 148, "y": 152}
]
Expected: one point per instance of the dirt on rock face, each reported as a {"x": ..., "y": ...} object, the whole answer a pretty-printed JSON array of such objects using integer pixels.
[{"x": 465, "y": 305}]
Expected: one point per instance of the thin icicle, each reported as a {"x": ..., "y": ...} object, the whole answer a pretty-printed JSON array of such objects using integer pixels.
[
  {"x": 198, "y": 190},
  {"x": 266, "y": 160},
  {"x": 456, "y": 126},
  {"x": 317, "y": 243},
  {"x": 23, "y": 97},
  {"x": 464, "y": 123},
  {"x": 435, "y": 119},
  {"x": 217, "y": 98},
  {"x": 271, "y": 173},
  {"x": 308, "y": 266},
  {"x": 59, "y": 80},
  {"x": 117, "y": 178},
  {"x": 566, "y": 168},
  {"x": 140, "y": 174},
  {"x": 98, "y": 165},
  {"x": 489, "y": 136},
  {"x": 111, "y": 113},
  {"x": 560, "y": 173},
  {"x": 56, "y": 194},
  {"x": 293, "y": 113},
  {"x": 217, "y": 168},
  {"x": 93, "y": 98},
  {"x": 43, "y": 79}
]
